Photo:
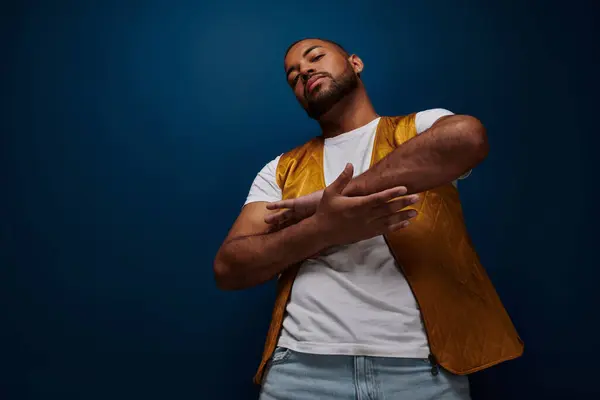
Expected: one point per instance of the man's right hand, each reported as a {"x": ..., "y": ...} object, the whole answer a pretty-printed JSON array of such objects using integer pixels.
[
  {"x": 292, "y": 211},
  {"x": 345, "y": 220}
]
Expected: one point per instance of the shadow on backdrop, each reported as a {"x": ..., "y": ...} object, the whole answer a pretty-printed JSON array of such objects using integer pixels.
[{"x": 130, "y": 136}]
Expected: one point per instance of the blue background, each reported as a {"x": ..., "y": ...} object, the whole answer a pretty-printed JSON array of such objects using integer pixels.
[{"x": 131, "y": 132}]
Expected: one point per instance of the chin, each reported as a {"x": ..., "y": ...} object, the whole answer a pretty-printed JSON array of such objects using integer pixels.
[
  {"x": 321, "y": 87},
  {"x": 319, "y": 93}
]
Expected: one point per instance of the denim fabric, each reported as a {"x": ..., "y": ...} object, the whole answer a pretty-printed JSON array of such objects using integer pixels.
[{"x": 300, "y": 376}]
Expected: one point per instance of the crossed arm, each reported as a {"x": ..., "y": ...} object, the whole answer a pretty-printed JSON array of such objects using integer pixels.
[
  {"x": 452, "y": 146},
  {"x": 253, "y": 253}
]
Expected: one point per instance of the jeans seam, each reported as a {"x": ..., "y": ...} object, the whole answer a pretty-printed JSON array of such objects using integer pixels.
[
  {"x": 356, "y": 378},
  {"x": 372, "y": 383}
]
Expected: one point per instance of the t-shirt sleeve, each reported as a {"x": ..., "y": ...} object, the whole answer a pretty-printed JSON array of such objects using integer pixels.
[
  {"x": 425, "y": 119},
  {"x": 264, "y": 187}
]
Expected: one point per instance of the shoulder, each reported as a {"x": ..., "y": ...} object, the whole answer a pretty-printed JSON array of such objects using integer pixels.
[
  {"x": 285, "y": 157},
  {"x": 419, "y": 121},
  {"x": 264, "y": 188},
  {"x": 271, "y": 166},
  {"x": 298, "y": 153},
  {"x": 426, "y": 118}
]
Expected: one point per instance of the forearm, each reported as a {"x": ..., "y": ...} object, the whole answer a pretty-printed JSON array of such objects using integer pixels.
[
  {"x": 451, "y": 147},
  {"x": 248, "y": 261}
]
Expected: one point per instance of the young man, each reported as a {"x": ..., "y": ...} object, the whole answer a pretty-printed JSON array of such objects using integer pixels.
[{"x": 380, "y": 292}]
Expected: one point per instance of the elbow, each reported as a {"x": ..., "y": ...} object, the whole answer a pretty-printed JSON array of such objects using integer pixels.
[
  {"x": 476, "y": 138},
  {"x": 229, "y": 272},
  {"x": 223, "y": 274}
]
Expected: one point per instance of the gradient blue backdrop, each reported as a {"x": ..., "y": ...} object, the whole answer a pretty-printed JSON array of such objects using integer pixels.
[{"x": 132, "y": 130}]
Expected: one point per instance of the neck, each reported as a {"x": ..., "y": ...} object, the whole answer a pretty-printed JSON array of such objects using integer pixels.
[{"x": 352, "y": 112}]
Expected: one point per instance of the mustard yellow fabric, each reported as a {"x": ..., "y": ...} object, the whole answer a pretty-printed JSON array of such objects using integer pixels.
[{"x": 467, "y": 326}]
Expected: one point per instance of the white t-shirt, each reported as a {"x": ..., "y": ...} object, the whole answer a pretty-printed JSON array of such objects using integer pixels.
[{"x": 351, "y": 300}]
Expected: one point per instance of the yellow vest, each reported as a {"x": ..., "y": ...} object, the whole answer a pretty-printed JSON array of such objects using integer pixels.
[{"x": 467, "y": 327}]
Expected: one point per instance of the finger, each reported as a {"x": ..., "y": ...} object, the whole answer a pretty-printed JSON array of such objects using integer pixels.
[
  {"x": 279, "y": 225},
  {"x": 380, "y": 198},
  {"x": 274, "y": 226},
  {"x": 341, "y": 181},
  {"x": 289, "y": 222},
  {"x": 278, "y": 217},
  {"x": 395, "y": 219},
  {"x": 393, "y": 206},
  {"x": 277, "y": 205},
  {"x": 398, "y": 226}
]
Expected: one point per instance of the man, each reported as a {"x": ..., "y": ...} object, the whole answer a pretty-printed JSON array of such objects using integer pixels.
[{"x": 389, "y": 300}]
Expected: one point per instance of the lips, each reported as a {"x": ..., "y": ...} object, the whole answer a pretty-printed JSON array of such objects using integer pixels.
[{"x": 312, "y": 82}]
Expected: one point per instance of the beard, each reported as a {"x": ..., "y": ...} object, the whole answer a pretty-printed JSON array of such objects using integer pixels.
[{"x": 322, "y": 100}]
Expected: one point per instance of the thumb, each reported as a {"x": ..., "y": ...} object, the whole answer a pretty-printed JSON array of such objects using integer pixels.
[{"x": 340, "y": 183}]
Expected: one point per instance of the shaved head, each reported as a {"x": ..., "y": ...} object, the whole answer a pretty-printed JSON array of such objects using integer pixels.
[{"x": 331, "y": 42}]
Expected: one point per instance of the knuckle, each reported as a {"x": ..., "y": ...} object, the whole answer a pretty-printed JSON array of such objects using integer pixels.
[
  {"x": 386, "y": 209},
  {"x": 385, "y": 198},
  {"x": 395, "y": 218}
]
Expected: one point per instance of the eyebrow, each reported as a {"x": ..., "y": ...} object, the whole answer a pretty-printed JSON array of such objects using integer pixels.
[{"x": 311, "y": 48}]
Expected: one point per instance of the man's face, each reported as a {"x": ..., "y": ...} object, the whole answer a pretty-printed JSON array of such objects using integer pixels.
[{"x": 320, "y": 75}]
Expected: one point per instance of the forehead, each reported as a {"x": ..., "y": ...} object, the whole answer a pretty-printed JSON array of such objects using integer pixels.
[{"x": 299, "y": 50}]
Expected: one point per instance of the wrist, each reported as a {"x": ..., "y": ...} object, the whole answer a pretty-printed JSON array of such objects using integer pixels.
[{"x": 322, "y": 231}]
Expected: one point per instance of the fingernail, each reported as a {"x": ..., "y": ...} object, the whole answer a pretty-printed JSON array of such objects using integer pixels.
[
  {"x": 414, "y": 199},
  {"x": 412, "y": 213},
  {"x": 405, "y": 224}
]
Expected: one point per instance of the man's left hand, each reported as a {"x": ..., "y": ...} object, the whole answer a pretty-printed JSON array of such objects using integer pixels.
[{"x": 293, "y": 210}]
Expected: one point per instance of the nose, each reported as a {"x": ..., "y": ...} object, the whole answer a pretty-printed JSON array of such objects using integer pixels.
[{"x": 306, "y": 72}]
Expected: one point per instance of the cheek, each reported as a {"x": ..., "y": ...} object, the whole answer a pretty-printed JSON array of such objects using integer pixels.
[
  {"x": 338, "y": 73},
  {"x": 340, "y": 70},
  {"x": 333, "y": 67}
]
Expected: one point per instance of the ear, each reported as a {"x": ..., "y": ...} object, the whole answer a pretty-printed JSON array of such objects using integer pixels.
[{"x": 356, "y": 63}]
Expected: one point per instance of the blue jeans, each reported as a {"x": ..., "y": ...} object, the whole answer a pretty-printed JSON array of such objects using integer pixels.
[{"x": 300, "y": 376}]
